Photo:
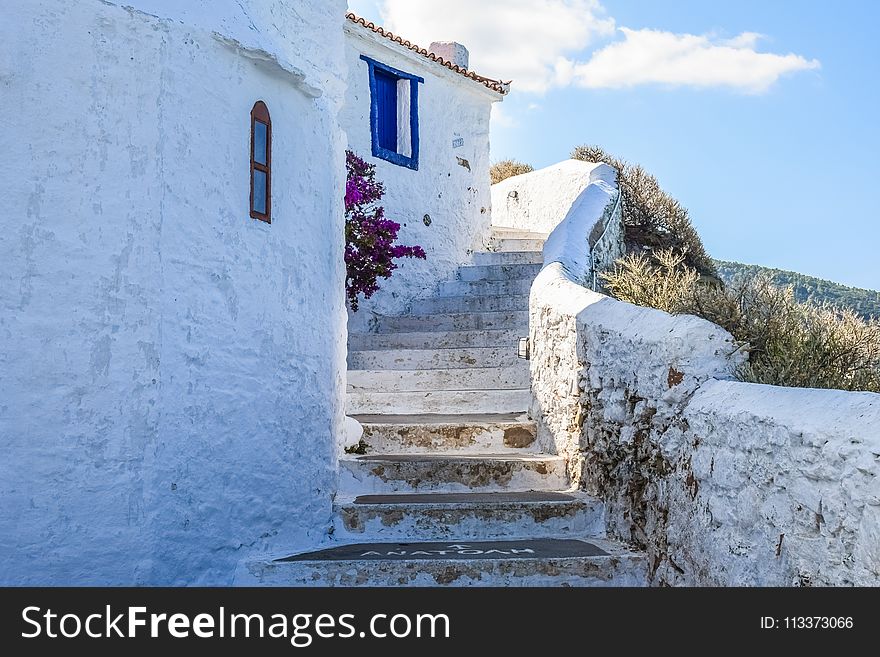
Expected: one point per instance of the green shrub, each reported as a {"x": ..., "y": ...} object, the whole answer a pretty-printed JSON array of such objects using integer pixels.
[
  {"x": 789, "y": 343},
  {"x": 507, "y": 169},
  {"x": 653, "y": 219}
]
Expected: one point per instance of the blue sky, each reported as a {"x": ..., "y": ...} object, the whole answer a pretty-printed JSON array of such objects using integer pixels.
[{"x": 770, "y": 141}]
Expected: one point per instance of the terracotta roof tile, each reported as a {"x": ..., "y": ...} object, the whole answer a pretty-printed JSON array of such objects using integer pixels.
[{"x": 494, "y": 85}]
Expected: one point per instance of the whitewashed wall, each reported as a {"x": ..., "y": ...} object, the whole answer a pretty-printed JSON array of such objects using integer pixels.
[
  {"x": 456, "y": 198},
  {"x": 171, "y": 371},
  {"x": 539, "y": 200},
  {"x": 722, "y": 482}
]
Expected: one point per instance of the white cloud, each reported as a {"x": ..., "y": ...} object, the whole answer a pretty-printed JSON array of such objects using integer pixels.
[
  {"x": 546, "y": 43},
  {"x": 501, "y": 117},
  {"x": 650, "y": 56},
  {"x": 519, "y": 39}
]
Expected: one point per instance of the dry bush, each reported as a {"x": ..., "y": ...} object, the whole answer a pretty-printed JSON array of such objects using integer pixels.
[
  {"x": 507, "y": 169},
  {"x": 653, "y": 219},
  {"x": 789, "y": 343},
  {"x": 660, "y": 281}
]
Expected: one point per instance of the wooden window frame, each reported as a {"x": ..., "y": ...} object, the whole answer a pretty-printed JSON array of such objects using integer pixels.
[{"x": 260, "y": 113}]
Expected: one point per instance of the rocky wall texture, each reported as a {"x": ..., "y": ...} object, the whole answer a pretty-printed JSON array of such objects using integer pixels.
[{"x": 721, "y": 482}]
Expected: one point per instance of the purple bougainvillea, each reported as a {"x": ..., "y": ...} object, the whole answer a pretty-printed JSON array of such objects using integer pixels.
[{"x": 370, "y": 250}]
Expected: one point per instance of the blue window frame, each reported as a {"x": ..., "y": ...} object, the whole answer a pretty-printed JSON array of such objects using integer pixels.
[{"x": 394, "y": 114}]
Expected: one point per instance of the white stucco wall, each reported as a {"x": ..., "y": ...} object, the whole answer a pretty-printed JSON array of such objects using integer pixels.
[
  {"x": 721, "y": 482},
  {"x": 539, "y": 200},
  {"x": 171, "y": 370},
  {"x": 455, "y": 197}
]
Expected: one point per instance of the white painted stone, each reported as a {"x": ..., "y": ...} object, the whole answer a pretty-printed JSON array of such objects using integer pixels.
[
  {"x": 452, "y": 473},
  {"x": 519, "y": 286},
  {"x": 472, "y": 303},
  {"x": 433, "y": 339},
  {"x": 437, "y": 401},
  {"x": 468, "y": 321},
  {"x": 499, "y": 273},
  {"x": 172, "y": 378},
  {"x": 354, "y": 431},
  {"x": 487, "y": 433},
  {"x": 445, "y": 205},
  {"x": 501, "y": 258},
  {"x": 512, "y": 377},
  {"x": 581, "y": 516},
  {"x": 426, "y": 359},
  {"x": 539, "y": 201},
  {"x": 727, "y": 483}
]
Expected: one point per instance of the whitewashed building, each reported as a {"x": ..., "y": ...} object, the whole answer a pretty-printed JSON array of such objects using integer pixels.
[
  {"x": 422, "y": 117},
  {"x": 172, "y": 316}
]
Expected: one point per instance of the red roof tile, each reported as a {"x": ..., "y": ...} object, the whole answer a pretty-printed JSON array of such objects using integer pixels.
[{"x": 494, "y": 85}]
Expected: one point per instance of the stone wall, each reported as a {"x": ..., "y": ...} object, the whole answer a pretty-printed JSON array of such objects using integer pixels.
[
  {"x": 171, "y": 370},
  {"x": 721, "y": 482},
  {"x": 445, "y": 205}
]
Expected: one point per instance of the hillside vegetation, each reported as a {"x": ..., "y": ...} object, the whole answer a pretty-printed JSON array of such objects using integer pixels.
[
  {"x": 508, "y": 168},
  {"x": 652, "y": 218},
  {"x": 865, "y": 303},
  {"x": 789, "y": 343}
]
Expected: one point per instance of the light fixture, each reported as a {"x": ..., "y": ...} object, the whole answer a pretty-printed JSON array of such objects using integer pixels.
[{"x": 524, "y": 349}]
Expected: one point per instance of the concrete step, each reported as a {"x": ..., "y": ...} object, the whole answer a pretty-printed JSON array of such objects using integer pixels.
[
  {"x": 439, "y": 401},
  {"x": 433, "y": 339},
  {"x": 435, "y": 516},
  {"x": 517, "y": 287},
  {"x": 464, "y": 562},
  {"x": 516, "y": 245},
  {"x": 413, "y": 359},
  {"x": 451, "y": 472},
  {"x": 502, "y": 232},
  {"x": 488, "y": 433},
  {"x": 512, "y": 377},
  {"x": 509, "y": 258},
  {"x": 469, "y": 304},
  {"x": 499, "y": 272},
  {"x": 511, "y": 320}
]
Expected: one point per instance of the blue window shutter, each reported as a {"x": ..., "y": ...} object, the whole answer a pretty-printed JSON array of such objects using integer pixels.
[
  {"x": 384, "y": 109},
  {"x": 386, "y": 88}
]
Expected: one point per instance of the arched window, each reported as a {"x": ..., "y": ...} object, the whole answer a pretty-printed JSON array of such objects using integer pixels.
[{"x": 261, "y": 163}]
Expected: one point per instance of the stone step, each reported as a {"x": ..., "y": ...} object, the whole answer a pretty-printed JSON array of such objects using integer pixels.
[
  {"x": 512, "y": 244},
  {"x": 499, "y": 272},
  {"x": 511, "y": 320},
  {"x": 518, "y": 287},
  {"x": 451, "y": 472},
  {"x": 439, "y": 401},
  {"x": 517, "y": 233},
  {"x": 434, "y": 516},
  {"x": 463, "y": 562},
  {"x": 509, "y": 258},
  {"x": 469, "y": 304},
  {"x": 512, "y": 377},
  {"x": 488, "y": 433},
  {"x": 433, "y": 339},
  {"x": 413, "y": 359}
]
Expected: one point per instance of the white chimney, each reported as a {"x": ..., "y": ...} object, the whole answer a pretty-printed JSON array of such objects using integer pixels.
[{"x": 452, "y": 52}]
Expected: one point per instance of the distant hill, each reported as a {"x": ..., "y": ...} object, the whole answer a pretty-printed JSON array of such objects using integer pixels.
[{"x": 808, "y": 288}]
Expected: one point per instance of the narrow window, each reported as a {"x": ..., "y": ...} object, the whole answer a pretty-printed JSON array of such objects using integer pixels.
[
  {"x": 394, "y": 114},
  {"x": 261, "y": 163}
]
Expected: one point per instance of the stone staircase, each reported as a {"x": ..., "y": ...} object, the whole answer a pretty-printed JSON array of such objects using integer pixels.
[{"x": 447, "y": 488}]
